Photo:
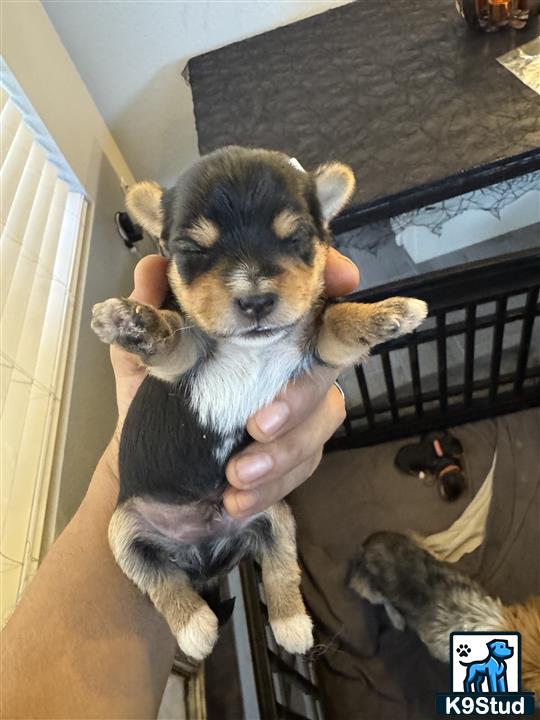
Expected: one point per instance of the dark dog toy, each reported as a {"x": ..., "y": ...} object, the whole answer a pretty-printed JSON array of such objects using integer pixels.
[{"x": 438, "y": 454}]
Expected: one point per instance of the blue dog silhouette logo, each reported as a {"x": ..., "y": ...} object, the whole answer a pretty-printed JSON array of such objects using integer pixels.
[
  {"x": 485, "y": 662},
  {"x": 485, "y": 676},
  {"x": 488, "y": 674}
]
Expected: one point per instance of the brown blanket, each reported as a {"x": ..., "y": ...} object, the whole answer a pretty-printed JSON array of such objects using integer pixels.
[{"x": 368, "y": 669}]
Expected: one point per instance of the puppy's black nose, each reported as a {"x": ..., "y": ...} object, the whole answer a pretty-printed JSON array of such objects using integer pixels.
[{"x": 258, "y": 306}]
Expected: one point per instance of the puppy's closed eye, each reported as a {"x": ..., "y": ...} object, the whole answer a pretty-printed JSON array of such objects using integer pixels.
[
  {"x": 303, "y": 232},
  {"x": 299, "y": 243},
  {"x": 189, "y": 247}
]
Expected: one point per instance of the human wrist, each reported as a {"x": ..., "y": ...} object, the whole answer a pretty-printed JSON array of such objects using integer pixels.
[{"x": 104, "y": 486}]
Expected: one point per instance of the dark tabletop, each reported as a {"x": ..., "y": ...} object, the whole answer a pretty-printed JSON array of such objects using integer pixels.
[{"x": 401, "y": 90}]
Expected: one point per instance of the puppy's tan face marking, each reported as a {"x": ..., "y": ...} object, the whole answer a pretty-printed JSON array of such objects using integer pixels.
[
  {"x": 204, "y": 232},
  {"x": 211, "y": 298},
  {"x": 300, "y": 285},
  {"x": 285, "y": 223},
  {"x": 207, "y": 300}
]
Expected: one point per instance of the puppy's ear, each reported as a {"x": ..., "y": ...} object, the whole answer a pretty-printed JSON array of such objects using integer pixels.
[
  {"x": 335, "y": 185},
  {"x": 143, "y": 203}
]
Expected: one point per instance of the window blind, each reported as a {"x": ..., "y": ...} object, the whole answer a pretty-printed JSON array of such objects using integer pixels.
[{"x": 43, "y": 212}]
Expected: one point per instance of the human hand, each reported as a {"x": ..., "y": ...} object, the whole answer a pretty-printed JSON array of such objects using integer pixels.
[
  {"x": 150, "y": 279},
  {"x": 290, "y": 433}
]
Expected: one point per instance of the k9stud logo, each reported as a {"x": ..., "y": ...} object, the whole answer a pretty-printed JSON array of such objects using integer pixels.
[
  {"x": 485, "y": 676},
  {"x": 485, "y": 663}
]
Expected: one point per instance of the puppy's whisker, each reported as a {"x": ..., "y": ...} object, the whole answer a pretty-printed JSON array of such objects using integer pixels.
[
  {"x": 182, "y": 329},
  {"x": 322, "y": 648}
]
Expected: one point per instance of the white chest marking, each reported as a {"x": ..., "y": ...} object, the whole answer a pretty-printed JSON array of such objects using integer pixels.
[{"x": 239, "y": 379}]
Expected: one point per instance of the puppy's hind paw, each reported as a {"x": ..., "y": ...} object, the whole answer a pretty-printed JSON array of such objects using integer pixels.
[
  {"x": 199, "y": 635},
  {"x": 294, "y": 634}
]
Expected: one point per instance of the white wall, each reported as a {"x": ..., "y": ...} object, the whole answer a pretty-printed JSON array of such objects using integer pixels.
[
  {"x": 131, "y": 55},
  {"x": 36, "y": 56},
  {"x": 42, "y": 66}
]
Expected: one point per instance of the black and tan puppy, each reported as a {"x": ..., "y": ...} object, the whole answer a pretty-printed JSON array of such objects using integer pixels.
[{"x": 248, "y": 235}]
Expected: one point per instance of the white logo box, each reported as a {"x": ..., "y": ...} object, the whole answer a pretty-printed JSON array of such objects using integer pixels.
[{"x": 478, "y": 652}]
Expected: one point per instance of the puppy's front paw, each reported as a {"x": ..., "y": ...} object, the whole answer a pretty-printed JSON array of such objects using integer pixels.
[
  {"x": 134, "y": 326},
  {"x": 294, "y": 634},
  {"x": 199, "y": 635},
  {"x": 106, "y": 319},
  {"x": 350, "y": 330},
  {"x": 397, "y": 316}
]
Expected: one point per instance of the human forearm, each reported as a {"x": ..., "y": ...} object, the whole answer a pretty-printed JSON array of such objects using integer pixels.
[{"x": 90, "y": 643}]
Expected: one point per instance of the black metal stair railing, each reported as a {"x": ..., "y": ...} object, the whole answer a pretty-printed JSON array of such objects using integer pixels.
[
  {"x": 286, "y": 684},
  {"x": 511, "y": 283}
]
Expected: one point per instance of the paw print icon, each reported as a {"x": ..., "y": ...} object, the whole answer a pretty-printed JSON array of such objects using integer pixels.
[{"x": 463, "y": 650}]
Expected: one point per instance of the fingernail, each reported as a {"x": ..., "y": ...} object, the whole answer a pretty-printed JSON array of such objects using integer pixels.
[
  {"x": 250, "y": 467},
  {"x": 271, "y": 418}
]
